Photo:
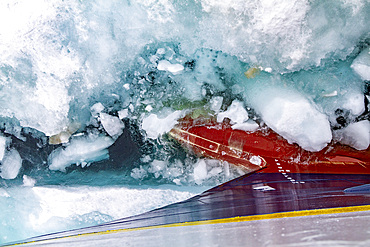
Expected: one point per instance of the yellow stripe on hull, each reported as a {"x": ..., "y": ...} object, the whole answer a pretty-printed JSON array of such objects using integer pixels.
[{"x": 220, "y": 221}]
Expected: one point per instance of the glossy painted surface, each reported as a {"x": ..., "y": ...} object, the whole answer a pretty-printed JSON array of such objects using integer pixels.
[{"x": 219, "y": 141}]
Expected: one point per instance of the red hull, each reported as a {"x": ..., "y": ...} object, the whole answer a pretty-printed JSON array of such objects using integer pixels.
[{"x": 261, "y": 149}]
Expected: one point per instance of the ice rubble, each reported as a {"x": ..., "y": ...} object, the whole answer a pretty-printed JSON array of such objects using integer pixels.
[
  {"x": 10, "y": 160},
  {"x": 97, "y": 62},
  {"x": 59, "y": 59},
  {"x": 59, "y": 54}
]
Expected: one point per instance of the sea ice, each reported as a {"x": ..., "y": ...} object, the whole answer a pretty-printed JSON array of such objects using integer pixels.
[
  {"x": 200, "y": 171},
  {"x": 356, "y": 135},
  {"x": 167, "y": 66},
  {"x": 236, "y": 113},
  {"x": 80, "y": 149},
  {"x": 156, "y": 126},
  {"x": 3, "y": 144},
  {"x": 250, "y": 125},
  {"x": 361, "y": 64},
  {"x": 112, "y": 125},
  {"x": 28, "y": 181},
  {"x": 10, "y": 164},
  {"x": 292, "y": 116}
]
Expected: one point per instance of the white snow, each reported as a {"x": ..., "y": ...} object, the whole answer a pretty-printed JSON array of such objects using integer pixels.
[
  {"x": 167, "y": 66},
  {"x": 155, "y": 126},
  {"x": 361, "y": 64},
  {"x": 10, "y": 165},
  {"x": 80, "y": 150},
  {"x": 236, "y": 113},
  {"x": 112, "y": 124},
  {"x": 356, "y": 135}
]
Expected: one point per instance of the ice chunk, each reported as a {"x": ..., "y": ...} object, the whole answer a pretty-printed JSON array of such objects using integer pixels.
[
  {"x": 250, "y": 125},
  {"x": 236, "y": 113},
  {"x": 139, "y": 173},
  {"x": 112, "y": 125},
  {"x": 255, "y": 160},
  {"x": 157, "y": 167},
  {"x": 123, "y": 113},
  {"x": 200, "y": 171},
  {"x": 355, "y": 103},
  {"x": 155, "y": 126},
  {"x": 361, "y": 64},
  {"x": 80, "y": 149},
  {"x": 292, "y": 116},
  {"x": 10, "y": 165},
  {"x": 28, "y": 181},
  {"x": 167, "y": 66},
  {"x": 297, "y": 120},
  {"x": 216, "y": 103},
  {"x": 96, "y": 109},
  {"x": 356, "y": 135},
  {"x": 3, "y": 141},
  {"x": 148, "y": 108}
]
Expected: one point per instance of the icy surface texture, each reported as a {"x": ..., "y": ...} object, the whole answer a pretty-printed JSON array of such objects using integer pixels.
[
  {"x": 361, "y": 65},
  {"x": 28, "y": 211},
  {"x": 88, "y": 89},
  {"x": 72, "y": 73}
]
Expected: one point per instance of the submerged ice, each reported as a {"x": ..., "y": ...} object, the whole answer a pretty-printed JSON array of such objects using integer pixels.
[{"x": 88, "y": 90}]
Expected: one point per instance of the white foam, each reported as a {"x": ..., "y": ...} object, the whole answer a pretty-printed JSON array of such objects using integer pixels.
[
  {"x": 356, "y": 135},
  {"x": 11, "y": 164},
  {"x": 155, "y": 126},
  {"x": 80, "y": 150},
  {"x": 116, "y": 202}
]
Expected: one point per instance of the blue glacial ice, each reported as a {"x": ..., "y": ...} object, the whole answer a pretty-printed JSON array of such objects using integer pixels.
[{"x": 88, "y": 90}]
